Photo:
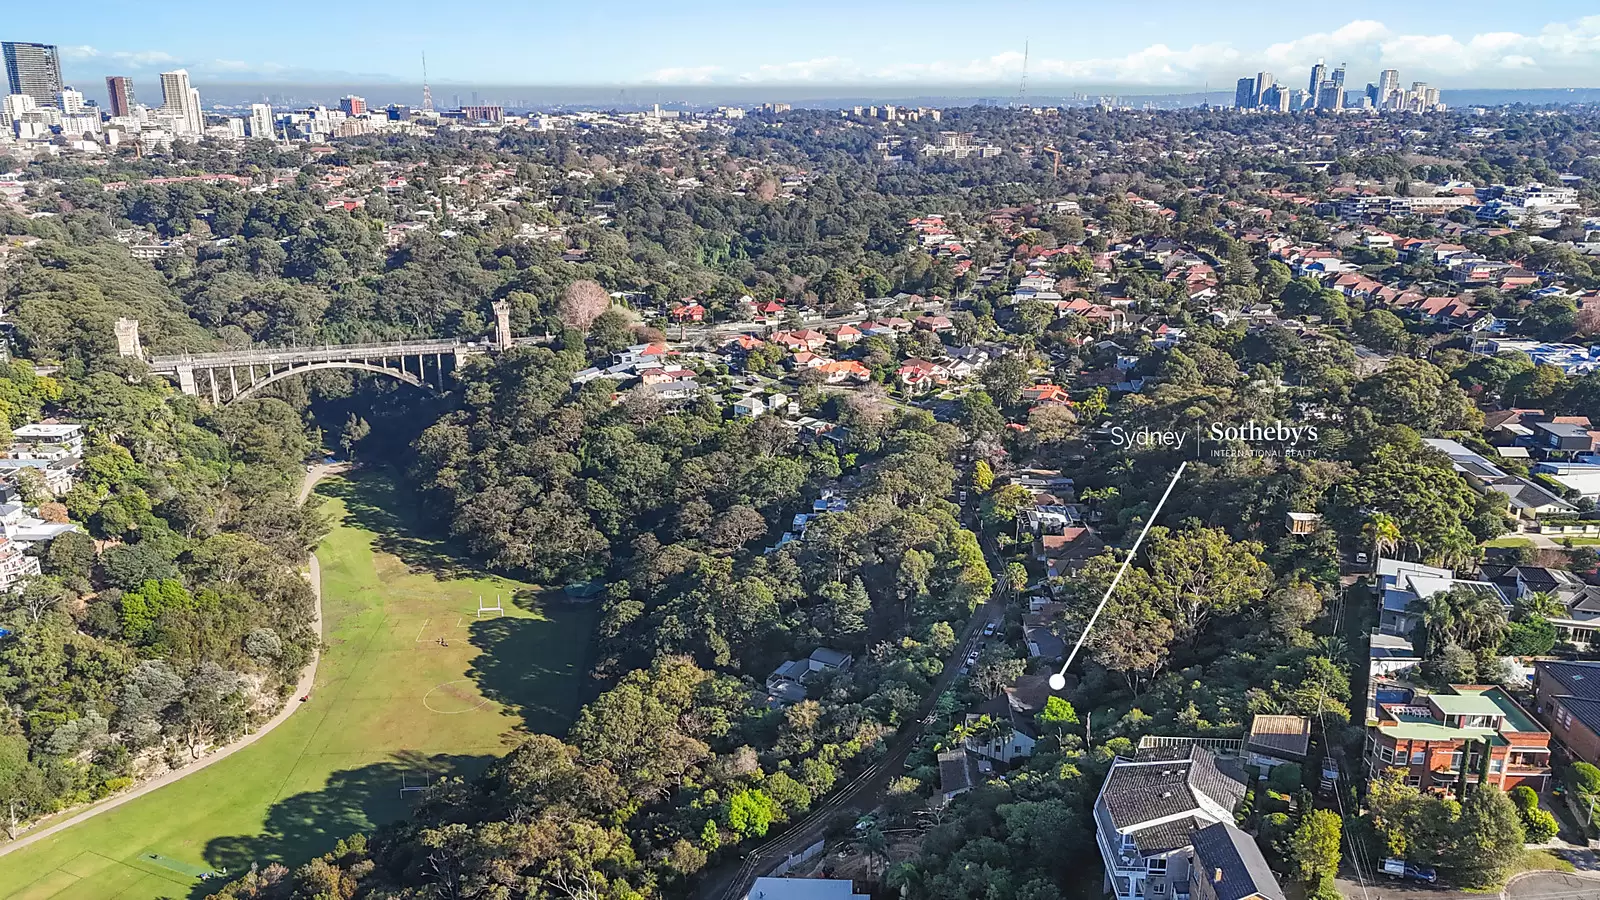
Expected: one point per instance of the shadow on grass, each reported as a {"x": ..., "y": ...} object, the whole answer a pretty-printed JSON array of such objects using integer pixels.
[
  {"x": 528, "y": 665},
  {"x": 375, "y": 501},
  {"x": 304, "y": 826}
]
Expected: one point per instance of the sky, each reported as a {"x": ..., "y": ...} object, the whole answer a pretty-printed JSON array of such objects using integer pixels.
[{"x": 1150, "y": 44}]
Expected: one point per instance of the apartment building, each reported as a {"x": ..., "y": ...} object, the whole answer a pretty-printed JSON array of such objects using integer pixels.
[{"x": 1433, "y": 736}]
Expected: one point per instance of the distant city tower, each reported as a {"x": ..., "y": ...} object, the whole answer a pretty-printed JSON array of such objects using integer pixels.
[{"x": 427, "y": 95}]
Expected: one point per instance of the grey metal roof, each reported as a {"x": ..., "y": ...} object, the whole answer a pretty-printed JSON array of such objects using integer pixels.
[
  {"x": 1162, "y": 782},
  {"x": 1232, "y": 863},
  {"x": 1577, "y": 679}
]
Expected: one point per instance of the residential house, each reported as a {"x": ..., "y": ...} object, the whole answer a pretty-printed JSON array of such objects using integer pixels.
[
  {"x": 15, "y": 565},
  {"x": 1433, "y": 736},
  {"x": 1228, "y": 865},
  {"x": 687, "y": 312},
  {"x": 1068, "y": 550},
  {"x": 800, "y": 339},
  {"x": 1015, "y": 711},
  {"x": 1148, "y": 811},
  {"x": 840, "y": 371},
  {"x": 1402, "y": 585},
  {"x": 1567, "y": 698},
  {"x": 921, "y": 375},
  {"x": 787, "y": 682},
  {"x": 845, "y": 335},
  {"x": 1275, "y": 740},
  {"x": 960, "y": 770},
  {"x": 935, "y": 324},
  {"x": 1579, "y": 624},
  {"x": 1043, "y": 394}
]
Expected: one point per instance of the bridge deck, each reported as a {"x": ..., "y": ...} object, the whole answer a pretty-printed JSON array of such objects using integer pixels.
[{"x": 331, "y": 352}]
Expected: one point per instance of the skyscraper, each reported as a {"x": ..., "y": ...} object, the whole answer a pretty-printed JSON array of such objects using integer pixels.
[
  {"x": 1388, "y": 86},
  {"x": 1263, "y": 81},
  {"x": 119, "y": 90},
  {"x": 353, "y": 105},
  {"x": 70, "y": 102},
  {"x": 1244, "y": 96},
  {"x": 1319, "y": 74},
  {"x": 34, "y": 70},
  {"x": 1338, "y": 77},
  {"x": 181, "y": 102}
]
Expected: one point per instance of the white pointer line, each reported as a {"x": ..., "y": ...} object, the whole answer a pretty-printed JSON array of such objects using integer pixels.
[{"x": 1061, "y": 676}]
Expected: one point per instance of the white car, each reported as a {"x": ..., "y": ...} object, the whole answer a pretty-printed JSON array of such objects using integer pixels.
[{"x": 988, "y": 630}]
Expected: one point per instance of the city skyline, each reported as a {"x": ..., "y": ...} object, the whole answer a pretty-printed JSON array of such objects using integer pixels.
[{"x": 1458, "y": 45}]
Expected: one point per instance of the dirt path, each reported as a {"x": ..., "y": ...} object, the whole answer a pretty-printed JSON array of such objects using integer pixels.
[{"x": 302, "y": 689}]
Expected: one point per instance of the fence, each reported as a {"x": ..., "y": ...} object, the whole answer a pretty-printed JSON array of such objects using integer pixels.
[
  {"x": 795, "y": 859},
  {"x": 1221, "y": 746}
]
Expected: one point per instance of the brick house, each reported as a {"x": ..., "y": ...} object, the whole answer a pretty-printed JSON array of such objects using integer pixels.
[
  {"x": 1429, "y": 738},
  {"x": 1567, "y": 698}
]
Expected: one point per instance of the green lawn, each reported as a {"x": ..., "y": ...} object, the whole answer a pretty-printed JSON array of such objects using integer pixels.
[
  {"x": 1509, "y": 542},
  {"x": 390, "y": 701}
]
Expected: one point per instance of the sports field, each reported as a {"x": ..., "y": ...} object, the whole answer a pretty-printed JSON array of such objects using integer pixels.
[{"x": 392, "y": 702}]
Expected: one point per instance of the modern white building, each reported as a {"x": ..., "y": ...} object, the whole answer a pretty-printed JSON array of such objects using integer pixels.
[
  {"x": 181, "y": 102},
  {"x": 259, "y": 125}
]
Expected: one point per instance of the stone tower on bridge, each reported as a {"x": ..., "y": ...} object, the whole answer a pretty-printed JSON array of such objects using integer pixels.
[
  {"x": 502, "y": 324},
  {"x": 128, "y": 338}
]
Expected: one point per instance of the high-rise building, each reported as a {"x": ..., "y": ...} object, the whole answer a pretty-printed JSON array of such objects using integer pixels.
[
  {"x": 1244, "y": 95},
  {"x": 1388, "y": 86},
  {"x": 33, "y": 69},
  {"x": 181, "y": 102},
  {"x": 259, "y": 125},
  {"x": 1319, "y": 74},
  {"x": 1329, "y": 96},
  {"x": 1338, "y": 77},
  {"x": 353, "y": 105},
  {"x": 1263, "y": 81},
  {"x": 70, "y": 102},
  {"x": 1277, "y": 99},
  {"x": 119, "y": 90},
  {"x": 13, "y": 106}
]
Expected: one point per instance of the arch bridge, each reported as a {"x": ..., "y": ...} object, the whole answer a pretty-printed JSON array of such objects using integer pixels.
[{"x": 230, "y": 375}]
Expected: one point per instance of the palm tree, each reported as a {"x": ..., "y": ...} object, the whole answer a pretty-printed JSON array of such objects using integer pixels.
[
  {"x": 1540, "y": 604},
  {"x": 1384, "y": 534},
  {"x": 873, "y": 844}
]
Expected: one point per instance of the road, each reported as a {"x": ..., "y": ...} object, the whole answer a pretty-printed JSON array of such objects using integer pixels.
[{"x": 302, "y": 688}]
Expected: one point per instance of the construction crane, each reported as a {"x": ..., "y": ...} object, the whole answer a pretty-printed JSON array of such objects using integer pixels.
[{"x": 1055, "y": 165}]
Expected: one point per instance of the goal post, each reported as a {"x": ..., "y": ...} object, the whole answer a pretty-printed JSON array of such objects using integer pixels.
[
  {"x": 498, "y": 609},
  {"x": 413, "y": 783}
]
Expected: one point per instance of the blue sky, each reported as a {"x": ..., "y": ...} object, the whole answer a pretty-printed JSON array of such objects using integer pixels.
[{"x": 1464, "y": 43}]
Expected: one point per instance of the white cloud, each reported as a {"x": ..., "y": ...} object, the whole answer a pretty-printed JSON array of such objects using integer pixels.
[
  {"x": 1559, "y": 51},
  {"x": 685, "y": 75}
]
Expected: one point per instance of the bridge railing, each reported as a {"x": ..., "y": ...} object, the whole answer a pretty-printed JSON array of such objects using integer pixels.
[{"x": 313, "y": 353}]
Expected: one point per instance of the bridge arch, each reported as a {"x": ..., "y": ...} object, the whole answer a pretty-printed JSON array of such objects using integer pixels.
[{"x": 390, "y": 371}]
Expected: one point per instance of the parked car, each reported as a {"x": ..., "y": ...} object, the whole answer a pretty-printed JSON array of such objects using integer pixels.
[
  {"x": 1399, "y": 868},
  {"x": 988, "y": 630}
]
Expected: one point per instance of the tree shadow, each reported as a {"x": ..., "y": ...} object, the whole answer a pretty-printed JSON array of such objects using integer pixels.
[
  {"x": 518, "y": 669},
  {"x": 375, "y": 500},
  {"x": 303, "y": 826}
]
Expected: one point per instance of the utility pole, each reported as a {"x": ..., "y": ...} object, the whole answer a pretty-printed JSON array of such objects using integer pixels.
[{"x": 11, "y": 830}]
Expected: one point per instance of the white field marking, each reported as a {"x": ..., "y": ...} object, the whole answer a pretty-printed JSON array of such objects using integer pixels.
[{"x": 420, "y": 628}]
